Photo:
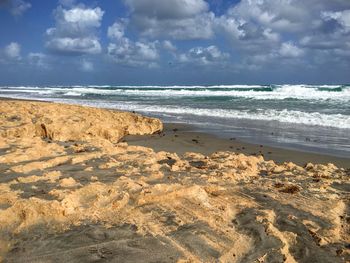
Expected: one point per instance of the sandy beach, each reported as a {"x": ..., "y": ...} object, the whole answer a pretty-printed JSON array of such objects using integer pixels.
[
  {"x": 182, "y": 138},
  {"x": 82, "y": 184}
]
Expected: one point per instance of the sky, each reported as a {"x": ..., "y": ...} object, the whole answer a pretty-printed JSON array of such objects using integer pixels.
[{"x": 174, "y": 42}]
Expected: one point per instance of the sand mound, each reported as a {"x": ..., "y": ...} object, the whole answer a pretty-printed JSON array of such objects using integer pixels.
[
  {"x": 70, "y": 122},
  {"x": 98, "y": 200}
]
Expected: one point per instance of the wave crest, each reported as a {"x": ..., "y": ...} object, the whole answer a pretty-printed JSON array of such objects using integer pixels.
[{"x": 267, "y": 92}]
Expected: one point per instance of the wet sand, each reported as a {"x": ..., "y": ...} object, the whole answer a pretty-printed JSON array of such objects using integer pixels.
[
  {"x": 71, "y": 190},
  {"x": 181, "y": 138}
]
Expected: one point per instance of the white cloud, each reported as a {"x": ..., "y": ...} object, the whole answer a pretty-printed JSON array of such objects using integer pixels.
[
  {"x": 83, "y": 17},
  {"x": 38, "y": 59},
  {"x": 177, "y": 19},
  {"x": 136, "y": 54},
  {"x": 287, "y": 54},
  {"x": 87, "y": 66},
  {"x": 13, "y": 51},
  {"x": 288, "y": 49},
  {"x": 231, "y": 27},
  {"x": 75, "y": 31},
  {"x": 268, "y": 30},
  {"x": 259, "y": 30},
  {"x": 167, "y": 45},
  {"x": 204, "y": 56},
  {"x": 281, "y": 15},
  {"x": 250, "y": 19},
  {"x": 168, "y": 9},
  {"x": 117, "y": 30},
  {"x": 270, "y": 35},
  {"x": 331, "y": 32},
  {"x": 342, "y": 17},
  {"x": 324, "y": 41},
  {"x": 16, "y": 7},
  {"x": 69, "y": 45},
  {"x": 253, "y": 25},
  {"x": 127, "y": 52}
]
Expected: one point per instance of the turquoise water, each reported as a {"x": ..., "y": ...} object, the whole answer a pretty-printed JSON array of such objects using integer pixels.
[{"x": 308, "y": 117}]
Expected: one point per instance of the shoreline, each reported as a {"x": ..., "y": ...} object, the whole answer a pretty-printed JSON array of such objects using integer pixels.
[
  {"x": 187, "y": 138},
  {"x": 182, "y": 138},
  {"x": 71, "y": 190}
]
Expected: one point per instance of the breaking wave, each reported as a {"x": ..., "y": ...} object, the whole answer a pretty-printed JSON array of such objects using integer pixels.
[
  {"x": 268, "y": 92},
  {"x": 335, "y": 97}
]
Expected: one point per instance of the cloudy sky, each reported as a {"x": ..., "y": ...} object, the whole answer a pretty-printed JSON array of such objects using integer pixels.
[{"x": 139, "y": 42}]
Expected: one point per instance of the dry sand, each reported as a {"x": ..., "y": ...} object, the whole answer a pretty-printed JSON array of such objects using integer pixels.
[{"x": 71, "y": 191}]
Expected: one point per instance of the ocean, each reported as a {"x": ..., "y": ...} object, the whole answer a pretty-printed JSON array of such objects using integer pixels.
[{"x": 303, "y": 117}]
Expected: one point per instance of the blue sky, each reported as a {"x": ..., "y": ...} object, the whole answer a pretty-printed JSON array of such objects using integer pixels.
[{"x": 139, "y": 42}]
